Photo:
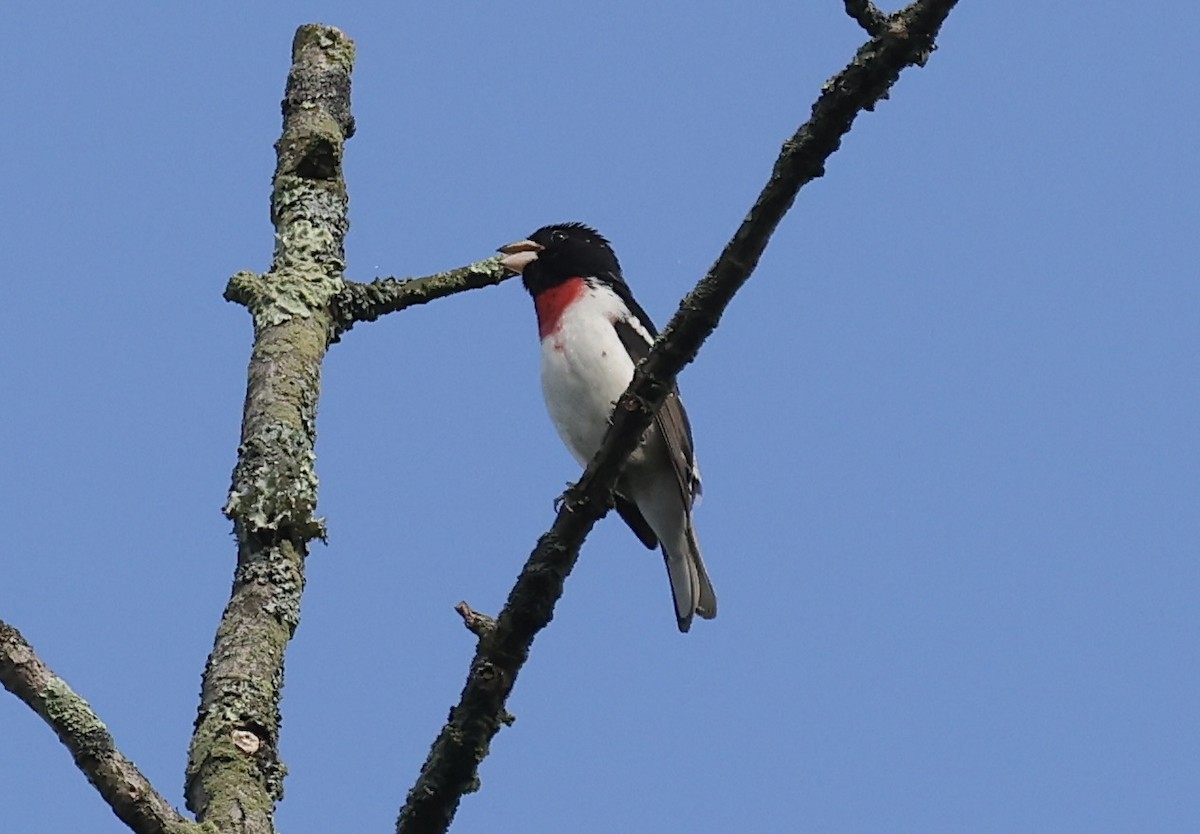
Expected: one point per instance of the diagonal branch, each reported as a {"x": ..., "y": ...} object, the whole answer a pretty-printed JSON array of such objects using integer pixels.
[
  {"x": 130, "y": 795},
  {"x": 451, "y": 767},
  {"x": 367, "y": 302},
  {"x": 234, "y": 773}
]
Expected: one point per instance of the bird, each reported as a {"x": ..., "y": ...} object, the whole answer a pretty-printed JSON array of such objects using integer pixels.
[{"x": 593, "y": 333}]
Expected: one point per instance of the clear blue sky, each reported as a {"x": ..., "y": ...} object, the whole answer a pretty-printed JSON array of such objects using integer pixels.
[{"x": 948, "y": 431}]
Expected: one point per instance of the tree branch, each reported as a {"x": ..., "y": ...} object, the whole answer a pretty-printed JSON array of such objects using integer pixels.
[
  {"x": 234, "y": 774},
  {"x": 476, "y": 622},
  {"x": 868, "y": 16},
  {"x": 367, "y": 302},
  {"x": 130, "y": 795},
  {"x": 451, "y": 767}
]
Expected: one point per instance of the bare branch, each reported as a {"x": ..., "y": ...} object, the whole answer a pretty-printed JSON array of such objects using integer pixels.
[
  {"x": 234, "y": 774},
  {"x": 367, "y": 302},
  {"x": 130, "y": 795},
  {"x": 451, "y": 767},
  {"x": 868, "y": 16},
  {"x": 476, "y": 622}
]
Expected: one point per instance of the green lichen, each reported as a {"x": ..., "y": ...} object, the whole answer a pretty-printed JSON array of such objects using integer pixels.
[
  {"x": 275, "y": 486},
  {"x": 67, "y": 709},
  {"x": 332, "y": 41},
  {"x": 299, "y": 291}
]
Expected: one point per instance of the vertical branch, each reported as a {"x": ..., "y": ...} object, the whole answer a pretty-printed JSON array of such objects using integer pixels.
[{"x": 234, "y": 774}]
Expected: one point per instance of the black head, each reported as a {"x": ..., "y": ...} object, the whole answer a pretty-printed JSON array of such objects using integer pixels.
[{"x": 555, "y": 253}]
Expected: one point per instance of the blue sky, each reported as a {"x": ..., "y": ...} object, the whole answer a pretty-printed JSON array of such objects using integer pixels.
[{"x": 948, "y": 431}]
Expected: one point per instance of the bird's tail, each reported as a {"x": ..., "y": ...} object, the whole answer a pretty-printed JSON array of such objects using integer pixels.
[{"x": 691, "y": 588}]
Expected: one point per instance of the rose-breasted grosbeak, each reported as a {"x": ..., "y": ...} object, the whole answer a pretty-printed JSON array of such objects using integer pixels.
[{"x": 593, "y": 333}]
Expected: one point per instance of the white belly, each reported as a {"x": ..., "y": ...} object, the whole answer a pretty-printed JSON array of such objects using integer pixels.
[{"x": 585, "y": 369}]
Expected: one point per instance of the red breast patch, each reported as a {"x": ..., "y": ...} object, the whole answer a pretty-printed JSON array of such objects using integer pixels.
[{"x": 552, "y": 303}]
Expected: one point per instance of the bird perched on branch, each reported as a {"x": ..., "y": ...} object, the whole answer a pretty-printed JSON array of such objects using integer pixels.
[{"x": 593, "y": 334}]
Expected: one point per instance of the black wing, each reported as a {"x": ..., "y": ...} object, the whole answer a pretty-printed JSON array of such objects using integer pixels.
[
  {"x": 636, "y": 521},
  {"x": 671, "y": 420}
]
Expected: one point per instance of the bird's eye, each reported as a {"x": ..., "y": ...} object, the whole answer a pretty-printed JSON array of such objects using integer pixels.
[{"x": 558, "y": 236}]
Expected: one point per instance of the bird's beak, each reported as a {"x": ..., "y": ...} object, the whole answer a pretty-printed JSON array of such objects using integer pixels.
[{"x": 519, "y": 255}]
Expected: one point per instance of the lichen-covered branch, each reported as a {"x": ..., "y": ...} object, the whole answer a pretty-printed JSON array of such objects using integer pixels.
[
  {"x": 451, "y": 767},
  {"x": 130, "y": 795},
  {"x": 367, "y": 302},
  {"x": 868, "y": 16},
  {"x": 234, "y": 774}
]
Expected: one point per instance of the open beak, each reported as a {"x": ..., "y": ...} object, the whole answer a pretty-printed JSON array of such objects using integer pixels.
[{"x": 519, "y": 255}]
